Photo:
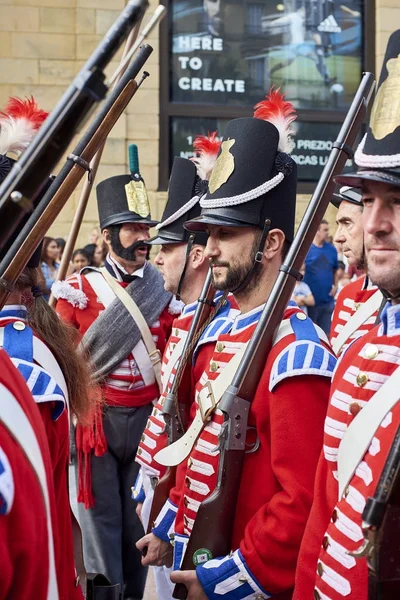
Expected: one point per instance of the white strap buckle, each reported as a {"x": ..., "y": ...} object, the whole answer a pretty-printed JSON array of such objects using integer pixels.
[{"x": 208, "y": 404}]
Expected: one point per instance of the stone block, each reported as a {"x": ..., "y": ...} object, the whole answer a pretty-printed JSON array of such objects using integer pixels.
[
  {"x": 5, "y": 45},
  {"x": 150, "y": 175},
  {"x": 148, "y": 152},
  {"x": 143, "y": 129},
  {"x": 85, "y": 20},
  {"x": 57, "y": 20},
  {"x": 19, "y": 18},
  {"x": 56, "y": 72},
  {"x": 43, "y": 45},
  {"x": 5, "y": 93},
  {"x": 101, "y": 4},
  {"x": 46, "y": 96},
  {"x": 119, "y": 129},
  {"x": 86, "y": 44},
  {"x": 115, "y": 152},
  {"x": 387, "y": 19},
  {"x": 145, "y": 102},
  {"x": 104, "y": 20},
  {"x": 14, "y": 70},
  {"x": 50, "y": 3}
]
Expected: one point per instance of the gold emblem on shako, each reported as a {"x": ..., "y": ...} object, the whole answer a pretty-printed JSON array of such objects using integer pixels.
[
  {"x": 223, "y": 168},
  {"x": 136, "y": 196},
  {"x": 385, "y": 114}
]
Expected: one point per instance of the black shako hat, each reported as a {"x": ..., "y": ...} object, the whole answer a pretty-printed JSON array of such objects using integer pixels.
[
  {"x": 251, "y": 181},
  {"x": 184, "y": 190},
  {"x": 123, "y": 198},
  {"x": 346, "y": 194},
  {"x": 378, "y": 155}
]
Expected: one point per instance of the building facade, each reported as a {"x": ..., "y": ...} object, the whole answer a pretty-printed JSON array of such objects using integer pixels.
[{"x": 212, "y": 61}]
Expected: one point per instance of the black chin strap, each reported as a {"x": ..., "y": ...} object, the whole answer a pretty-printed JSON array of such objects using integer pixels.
[
  {"x": 182, "y": 277},
  {"x": 257, "y": 259}
]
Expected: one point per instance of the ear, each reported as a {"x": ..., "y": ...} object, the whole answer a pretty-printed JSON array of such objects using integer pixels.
[
  {"x": 273, "y": 245},
  {"x": 197, "y": 256},
  {"x": 106, "y": 236}
]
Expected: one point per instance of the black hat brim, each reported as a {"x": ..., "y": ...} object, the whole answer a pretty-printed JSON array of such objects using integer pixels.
[
  {"x": 357, "y": 179},
  {"x": 200, "y": 223},
  {"x": 337, "y": 200},
  {"x": 163, "y": 241},
  {"x": 127, "y": 218}
]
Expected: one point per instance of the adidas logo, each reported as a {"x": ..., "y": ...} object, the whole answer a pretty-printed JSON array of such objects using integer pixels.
[{"x": 329, "y": 25}]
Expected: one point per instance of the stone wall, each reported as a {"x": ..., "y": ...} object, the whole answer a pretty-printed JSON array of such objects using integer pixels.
[{"x": 43, "y": 43}]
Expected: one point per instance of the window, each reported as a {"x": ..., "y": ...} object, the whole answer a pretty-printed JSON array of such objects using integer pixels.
[{"x": 220, "y": 57}]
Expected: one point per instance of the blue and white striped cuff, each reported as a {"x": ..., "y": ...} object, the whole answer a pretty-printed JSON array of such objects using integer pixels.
[
  {"x": 138, "y": 493},
  {"x": 165, "y": 522},
  {"x": 180, "y": 543},
  {"x": 229, "y": 577}
]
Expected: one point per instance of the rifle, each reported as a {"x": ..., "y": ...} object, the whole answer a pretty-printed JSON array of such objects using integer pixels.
[
  {"x": 25, "y": 180},
  {"x": 380, "y": 526},
  {"x": 173, "y": 411},
  {"x": 76, "y": 165},
  {"x": 131, "y": 46},
  {"x": 214, "y": 521}
]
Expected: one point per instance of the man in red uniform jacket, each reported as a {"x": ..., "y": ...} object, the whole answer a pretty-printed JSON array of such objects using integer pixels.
[
  {"x": 127, "y": 364},
  {"x": 349, "y": 234},
  {"x": 363, "y": 416},
  {"x": 249, "y": 213}
]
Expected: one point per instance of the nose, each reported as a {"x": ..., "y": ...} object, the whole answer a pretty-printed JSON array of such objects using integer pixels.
[
  {"x": 377, "y": 218},
  {"x": 211, "y": 249},
  {"x": 339, "y": 237},
  {"x": 158, "y": 259}
]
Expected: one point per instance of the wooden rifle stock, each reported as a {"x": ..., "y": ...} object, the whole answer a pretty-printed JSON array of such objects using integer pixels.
[
  {"x": 381, "y": 529},
  {"x": 70, "y": 175},
  {"x": 28, "y": 176},
  {"x": 165, "y": 484},
  {"x": 235, "y": 403}
]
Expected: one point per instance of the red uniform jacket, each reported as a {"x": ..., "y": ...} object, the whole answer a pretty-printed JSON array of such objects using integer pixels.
[
  {"x": 50, "y": 400},
  {"x": 23, "y": 530},
  {"x": 349, "y": 300},
  {"x": 276, "y": 488},
  {"x": 325, "y": 567}
]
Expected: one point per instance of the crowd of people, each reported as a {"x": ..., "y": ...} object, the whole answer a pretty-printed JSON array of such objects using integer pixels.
[{"x": 237, "y": 460}]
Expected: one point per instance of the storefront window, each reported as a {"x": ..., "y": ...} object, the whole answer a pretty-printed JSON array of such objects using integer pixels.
[{"x": 224, "y": 56}]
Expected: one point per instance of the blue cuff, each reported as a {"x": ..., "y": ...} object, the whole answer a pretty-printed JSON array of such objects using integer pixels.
[
  {"x": 165, "y": 522},
  {"x": 229, "y": 577},
  {"x": 138, "y": 493}
]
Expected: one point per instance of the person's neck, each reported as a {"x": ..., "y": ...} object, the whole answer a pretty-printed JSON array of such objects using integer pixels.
[
  {"x": 318, "y": 242},
  {"x": 14, "y": 298},
  {"x": 49, "y": 262},
  {"x": 129, "y": 265},
  {"x": 248, "y": 300}
]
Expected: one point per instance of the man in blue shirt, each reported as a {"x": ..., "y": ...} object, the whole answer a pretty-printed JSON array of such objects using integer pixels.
[{"x": 321, "y": 277}]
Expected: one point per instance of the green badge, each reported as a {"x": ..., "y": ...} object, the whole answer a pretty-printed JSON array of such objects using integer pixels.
[{"x": 201, "y": 555}]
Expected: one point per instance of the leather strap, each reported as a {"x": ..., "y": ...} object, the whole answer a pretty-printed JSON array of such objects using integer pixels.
[
  {"x": 94, "y": 278},
  {"x": 16, "y": 421},
  {"x": 357, "y": 319},
  {"x": 172, "y": 361},
  {"x": 359, "y": 434}
]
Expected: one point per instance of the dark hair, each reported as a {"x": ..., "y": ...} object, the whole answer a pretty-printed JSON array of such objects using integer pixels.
[
  {"x": 61, "y": 339},
  {"x": 83, "y": 252},
  {"x": 60, "y": 242},
  {"x": 46, "y": 241},
  {"x": 90, "y": 250},
  {"x": 324, "y": 222}
]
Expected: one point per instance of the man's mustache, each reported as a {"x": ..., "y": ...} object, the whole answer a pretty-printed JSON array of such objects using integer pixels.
[{"x": 218, "y": 263}]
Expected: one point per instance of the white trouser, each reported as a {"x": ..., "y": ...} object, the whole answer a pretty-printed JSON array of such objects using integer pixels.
[{"x": 164, "y": 585}]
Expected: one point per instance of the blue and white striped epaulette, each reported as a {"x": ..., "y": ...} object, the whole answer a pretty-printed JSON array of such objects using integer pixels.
[
  {"x": 306, "y": 355},
  {"x": 43, "y": 387},
  {"x": 220, "y": 325}
]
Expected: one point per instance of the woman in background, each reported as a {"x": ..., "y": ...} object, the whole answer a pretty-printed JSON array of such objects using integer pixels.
[{"x": 49, "y": 264}]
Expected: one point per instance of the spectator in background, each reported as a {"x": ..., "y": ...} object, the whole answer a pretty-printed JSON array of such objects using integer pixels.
[
  {"x": 49, "y": 264},
  {"x": 95, "y": 237},
  {"x": 61, "y": 247},
  {"x": 80, "y": 259},
  {"x": 321, "y": 276},
  {"x": 95, "y": 253},
  {"x": 302, "y": 294}
]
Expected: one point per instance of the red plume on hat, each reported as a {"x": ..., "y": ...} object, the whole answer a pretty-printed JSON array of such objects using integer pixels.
[
  {"x": 206, "y": 148},
  {"x": 19, "y": 122},
  {"x": 280, "y": 113}
]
